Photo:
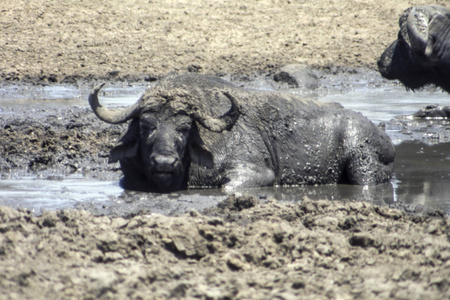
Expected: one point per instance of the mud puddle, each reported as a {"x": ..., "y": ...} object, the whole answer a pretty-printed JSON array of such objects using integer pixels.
[
  {"x": 420, "y": 180},
  {"x": 66, "y": 95},
  {"x": 56, "y": 192}
]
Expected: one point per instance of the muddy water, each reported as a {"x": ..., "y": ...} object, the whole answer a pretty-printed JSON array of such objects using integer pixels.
[
  {"x": 55, "y": 192},
  {"x": 421, "y": 176}
]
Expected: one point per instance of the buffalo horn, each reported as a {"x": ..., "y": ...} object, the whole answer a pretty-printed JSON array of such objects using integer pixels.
[
  {"x": 112, "y": 116},
  {"x": 417, "y": 25},
  {"x": 225, "y": 122}
]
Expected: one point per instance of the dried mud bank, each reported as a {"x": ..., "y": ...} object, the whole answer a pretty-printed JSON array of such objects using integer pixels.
[{"x": 241, "y": 249}]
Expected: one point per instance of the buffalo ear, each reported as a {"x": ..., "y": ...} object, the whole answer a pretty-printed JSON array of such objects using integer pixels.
[
  {"x": 128, "y": 145},
  {"x": 201, "y": 156},
  {"x": 198, "y": 151}
]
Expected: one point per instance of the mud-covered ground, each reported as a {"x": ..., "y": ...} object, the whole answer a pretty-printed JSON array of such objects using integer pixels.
[
  {"x": 69, "y": 140},
  {"x": 241, "y": 249}
]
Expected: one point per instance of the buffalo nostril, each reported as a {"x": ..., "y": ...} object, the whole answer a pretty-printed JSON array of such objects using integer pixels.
[{"x": 164, "y": 160}]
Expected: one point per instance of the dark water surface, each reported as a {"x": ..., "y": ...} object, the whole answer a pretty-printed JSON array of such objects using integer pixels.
[{"x": 421, "y": 178}]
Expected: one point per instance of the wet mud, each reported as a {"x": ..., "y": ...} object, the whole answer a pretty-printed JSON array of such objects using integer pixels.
[{"x": 69, "y": 140}]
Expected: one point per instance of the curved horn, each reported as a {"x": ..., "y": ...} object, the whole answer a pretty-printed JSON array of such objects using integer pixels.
[
  {"x": 417, "y": 25},
  {"x": 225, "y": 122},
  {"x": 112, "y": 116}
]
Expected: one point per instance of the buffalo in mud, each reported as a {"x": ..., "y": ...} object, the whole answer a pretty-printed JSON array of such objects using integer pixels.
[
  {"x": 197, "y": 131},
  {"x": 421, "y": 54}
]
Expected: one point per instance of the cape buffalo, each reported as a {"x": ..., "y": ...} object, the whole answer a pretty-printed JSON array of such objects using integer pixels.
[
  {"x": 421, "y": 54},
  {"x": 195, "y": 131}
]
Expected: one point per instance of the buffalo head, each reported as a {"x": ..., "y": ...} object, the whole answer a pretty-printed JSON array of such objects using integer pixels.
[
  {"x": 162, "y": 139},
  {"x": 421, "y": 54}
]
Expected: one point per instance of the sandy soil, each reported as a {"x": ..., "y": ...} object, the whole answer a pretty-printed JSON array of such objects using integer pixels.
[
  {"x": 241, "y": 249},
  {"x": 135, "y": 39}
]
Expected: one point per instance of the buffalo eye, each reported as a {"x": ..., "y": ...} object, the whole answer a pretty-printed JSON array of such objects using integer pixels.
[
  {"x": 148, "y": 124},
  {"x": 184, "y": 128}
]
